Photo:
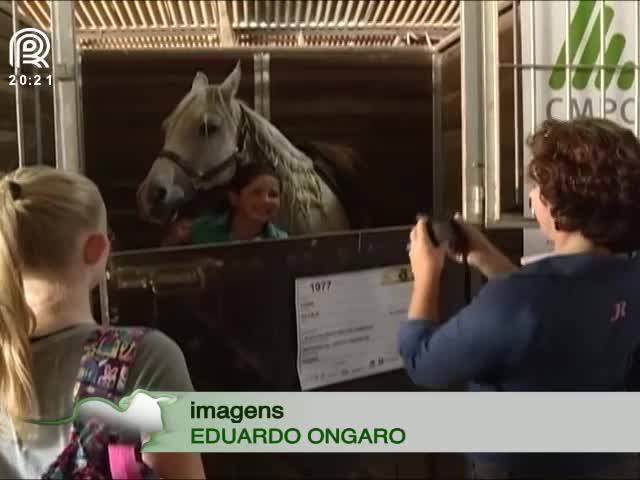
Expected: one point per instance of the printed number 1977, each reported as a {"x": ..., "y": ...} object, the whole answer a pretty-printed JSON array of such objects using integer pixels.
[{"x": 321, "y": 286}]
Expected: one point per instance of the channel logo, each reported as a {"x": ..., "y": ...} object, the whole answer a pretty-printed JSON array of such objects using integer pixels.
[{"x": 29, "y": 46}]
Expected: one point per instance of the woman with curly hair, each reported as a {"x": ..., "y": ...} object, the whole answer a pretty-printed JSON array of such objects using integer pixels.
[{"x": 568, "y": 322}]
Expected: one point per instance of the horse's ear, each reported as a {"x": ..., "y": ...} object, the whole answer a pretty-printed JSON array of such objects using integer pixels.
[
  {"x": 200, "y": 81},
  {"x": 231, "y": 84}
]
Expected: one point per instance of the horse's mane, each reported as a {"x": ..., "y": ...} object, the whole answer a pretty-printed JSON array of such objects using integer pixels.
[
  {"x": 302, "y": 188},
  {"x": 345, "y": 172}
]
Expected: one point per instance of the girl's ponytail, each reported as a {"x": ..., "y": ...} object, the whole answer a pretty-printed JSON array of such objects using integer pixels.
[{"x": 17, "y": 391}]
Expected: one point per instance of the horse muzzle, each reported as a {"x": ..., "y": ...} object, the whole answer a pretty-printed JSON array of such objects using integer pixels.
[{"x": 158, "y": 203}]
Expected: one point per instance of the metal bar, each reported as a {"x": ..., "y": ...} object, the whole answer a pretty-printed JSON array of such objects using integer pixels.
[
  {"x": 438, "y": 13},
  {"x": 602, "y": 81},
  {"x": 86, "y": 14},
  {"x": 491, "y": 111},
  {"x": 172, "y": 12},
  {"x": 347, "y": 13},
  {"x": 399, "y": 11},
  {"x": 65, "y": 86},
  {"x": 567, "y": 58},
  {"x": 163, "y": 13},
  {"x": 636, "y": 122},
  {"x": 257, "y": 82},
  {"x": 420, "y": 10},
  {"x": 38, "y": 123},
  {"x": 380, "y": 4},
  {"x": 183, "y": 14},
  {"x": 132, "y": 18},
  {"x": 32, "y": 13},
  {"x": 225, "y": 31},
  {"x": 245, "y": 13},
  {"x": 46, "y": 15},
  {"x": 427, "y": 14},
  {"x": 358, "y": 14},
  {"x": 298, "y": 13},
  {"x": 81, "y": 144},
  {"x": 18, "y": 90},
  {"x": 367, "y": 16},
  {"x": 96, "y": 9},
  {"x": 143, "y": 18},
  {"x": 448, "y": 13},
  {"x": 149, "y": 7},
  {"x": 327, "y": 12},
  {"x": 387, "y": 13},
  {"x": 112, "y": 20},
  {"x": 103, "y": 291},
  {"x": 266, "y": 85},
  {"x": 194, "y": 13},
  {"x": 307, "y": 13},
  {"x": 319, "y": 8},
  {"x": 412, "y": 6},
  {"x": 119, "y": 13},
  {"x": 472, "y": 117},
  {"x": 516, "y": 104},
  {"x": 276, "y": 15},
  {"x": 438, "y": 165},
  {"x": 336, "y": 14},
  {"x": 204, "y": 11},
  {"x": 532, "y": 78},
  {"x": 513, "y": 222}
]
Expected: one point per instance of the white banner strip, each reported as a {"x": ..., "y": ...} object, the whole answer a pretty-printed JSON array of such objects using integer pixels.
[{"x": 403, "y": 422}]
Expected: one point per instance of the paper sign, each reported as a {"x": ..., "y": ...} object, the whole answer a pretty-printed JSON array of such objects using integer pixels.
[{"x": 347, "y": 324}]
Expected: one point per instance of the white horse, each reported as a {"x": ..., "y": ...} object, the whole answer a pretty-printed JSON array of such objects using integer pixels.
[{"x": 210, "y": 134}]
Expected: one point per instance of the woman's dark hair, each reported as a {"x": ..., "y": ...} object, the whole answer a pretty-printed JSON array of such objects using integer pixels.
[
  {"x": 248, "y": 172},
  {"x": 588, "y": 171}
]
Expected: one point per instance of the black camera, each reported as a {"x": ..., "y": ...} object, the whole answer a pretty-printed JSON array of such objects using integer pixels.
[{"x": 445, "y": 230}]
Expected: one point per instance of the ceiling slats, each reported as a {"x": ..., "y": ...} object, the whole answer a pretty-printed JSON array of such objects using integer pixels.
[{"x": 195, "y": 24}]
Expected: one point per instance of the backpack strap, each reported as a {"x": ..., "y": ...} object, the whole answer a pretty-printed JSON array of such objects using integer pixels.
[{"x": 105, "y": 363}]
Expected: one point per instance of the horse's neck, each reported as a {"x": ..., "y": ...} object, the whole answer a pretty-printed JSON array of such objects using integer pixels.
[
  {"x": 301, "y": 191},
  {"x": 290, "y": 157}
]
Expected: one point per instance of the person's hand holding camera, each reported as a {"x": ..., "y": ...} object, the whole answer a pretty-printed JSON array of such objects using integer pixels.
[
  {"x": 427, "y": 262},
  {"x": 481, "y": 253}
]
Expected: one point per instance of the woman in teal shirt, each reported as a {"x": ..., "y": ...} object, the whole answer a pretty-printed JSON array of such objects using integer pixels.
[{"x": 254, "y": 198}]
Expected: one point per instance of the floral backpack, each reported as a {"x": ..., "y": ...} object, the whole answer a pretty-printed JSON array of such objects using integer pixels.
[{"x": 94, "y": 451}]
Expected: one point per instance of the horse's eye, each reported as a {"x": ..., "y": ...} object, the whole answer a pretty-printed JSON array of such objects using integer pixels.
[{"x": 207, "y": 129}]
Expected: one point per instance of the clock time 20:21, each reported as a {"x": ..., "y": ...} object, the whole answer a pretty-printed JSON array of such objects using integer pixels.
[{"x": 34, "y": 80}]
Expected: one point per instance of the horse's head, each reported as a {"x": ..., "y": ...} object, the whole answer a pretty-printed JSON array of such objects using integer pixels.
[{"x": 199, "y": 152}]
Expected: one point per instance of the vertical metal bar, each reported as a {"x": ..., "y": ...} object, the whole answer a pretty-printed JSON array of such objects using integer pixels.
[
  {"x": 472, "y": 117},
  {"x": 81, "y": 148},
  {"x": 257, "y": 83},
  {"x": 491, "y": 112},
  {"x": 18, "y": 91},
  {"x": 601, "y": 73},
  {"x": 438, "y": 165},
  {"x": 266, "y": 84},
  {"x": 38, "y": 123},
  {"x": 103, "y": 291},
  {"x": 516, "y": 102},
  {"x": 534, "y": 94},
  {"x": 636, "y": 73},
  {"x": 65, "y": 87},
  {"x": 567, "y": 58}
]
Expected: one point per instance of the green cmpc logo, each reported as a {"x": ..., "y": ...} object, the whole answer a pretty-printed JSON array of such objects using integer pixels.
[{"x": 590, "y": 53}]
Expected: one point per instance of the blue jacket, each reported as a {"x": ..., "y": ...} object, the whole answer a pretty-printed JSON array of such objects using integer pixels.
[{"x": 564, "y": 323}]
